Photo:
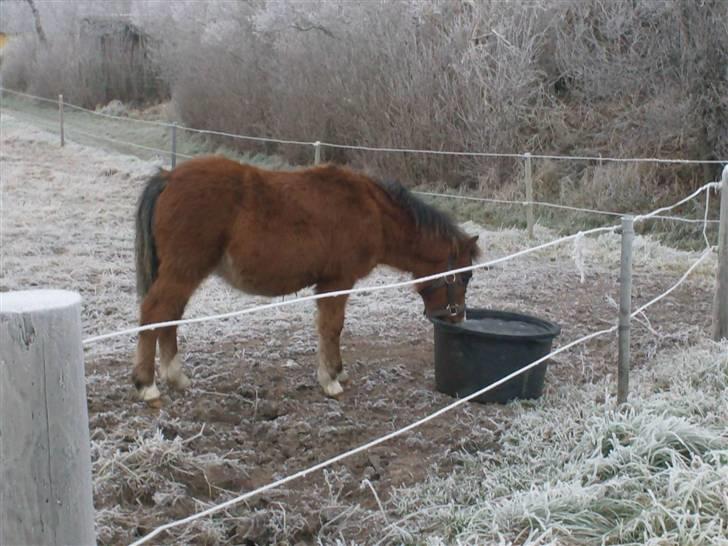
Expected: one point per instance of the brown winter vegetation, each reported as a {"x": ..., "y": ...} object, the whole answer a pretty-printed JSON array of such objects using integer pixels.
[{"x": 573, "y": 77}]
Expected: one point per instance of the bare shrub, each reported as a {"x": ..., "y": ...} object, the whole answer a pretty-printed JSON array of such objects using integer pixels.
[
  {"x": 615, "y": 78},
  {"x": 16, "y": 70},
  {"x": 646, "y": 79},
  {"x": 89, "y": 53}
]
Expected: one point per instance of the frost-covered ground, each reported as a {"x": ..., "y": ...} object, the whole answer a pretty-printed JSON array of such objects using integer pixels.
[
  {"x": 578, "y": 471},
  {"x": 255, "y": 412}
]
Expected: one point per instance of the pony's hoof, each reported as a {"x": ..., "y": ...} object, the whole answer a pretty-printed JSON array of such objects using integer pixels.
[
  {"x": 155, "y": 404},
  {"x": 343, "y": 377},
  {"x": 150, "y": 395},
  {"x": 333, "y": 389},
  {"x": 179, "y": 382}
]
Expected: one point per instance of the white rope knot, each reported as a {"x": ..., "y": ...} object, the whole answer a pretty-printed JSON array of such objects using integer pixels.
[
  {"x": 578, "y": 255},
  {"x": 705, "y": 218}
]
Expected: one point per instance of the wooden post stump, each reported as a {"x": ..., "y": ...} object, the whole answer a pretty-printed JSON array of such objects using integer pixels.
[{"x": 45, "y": 462}]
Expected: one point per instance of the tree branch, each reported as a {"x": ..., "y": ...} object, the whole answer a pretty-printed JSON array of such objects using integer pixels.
[{"x": 38, "y": 27}]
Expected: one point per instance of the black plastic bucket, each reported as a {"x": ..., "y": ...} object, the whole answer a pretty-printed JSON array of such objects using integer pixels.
[{"x": 488, "y": 346}]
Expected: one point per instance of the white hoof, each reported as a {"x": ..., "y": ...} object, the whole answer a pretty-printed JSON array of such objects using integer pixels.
[
  {"x": 172, "y": 373},
  {"x": 179, "y": 382},
  {"x": 343, "y": 377},
  {"x": 150, "y": 393},
  {"x": 333, "y": 389}
]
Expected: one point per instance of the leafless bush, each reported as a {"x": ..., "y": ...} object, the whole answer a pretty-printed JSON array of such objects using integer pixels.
[
  {"x": 572, "y": 77},
  {"x": 16, "y": 70},
  {"x": 90, "y": 53},
  {"x": 646, "y": 79}
]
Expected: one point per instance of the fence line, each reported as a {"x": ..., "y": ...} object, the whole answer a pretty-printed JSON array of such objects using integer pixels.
[
  {"x": 402, "y": 150},
  {"x": 400, "y": 284},
  {"x": 125, "y": 143},
  {"x": 525, "y": 155},
  {"x": 318, "y": 144},
  {"x": 246, "y": 137},
  {"x": 557, "y": 206},
  {"x": 120, "y": 118},
  {"x": 82, "y": 109},
  {"x": 13, "y": 92},
  {"x": 70, "y": 129},
  {"x": 413, "y": 425}
]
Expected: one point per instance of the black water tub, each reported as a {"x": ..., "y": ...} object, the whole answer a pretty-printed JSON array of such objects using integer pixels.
[{"x": 488, "y": 346}]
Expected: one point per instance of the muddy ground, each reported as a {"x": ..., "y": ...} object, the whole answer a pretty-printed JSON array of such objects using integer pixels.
[{"x": 255, "y": 412}]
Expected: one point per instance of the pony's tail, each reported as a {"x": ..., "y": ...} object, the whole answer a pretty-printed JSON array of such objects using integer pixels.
[{"x": 147, "y": 262}]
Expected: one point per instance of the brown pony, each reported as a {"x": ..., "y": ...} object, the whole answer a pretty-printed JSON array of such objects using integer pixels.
[{"x": 273, "y": 233}]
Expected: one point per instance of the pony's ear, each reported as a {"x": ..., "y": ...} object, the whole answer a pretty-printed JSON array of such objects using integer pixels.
[{"x": 473, "y": 240}]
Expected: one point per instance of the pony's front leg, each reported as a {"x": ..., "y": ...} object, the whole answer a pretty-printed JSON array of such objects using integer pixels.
[{"x": 330, "y": 323}]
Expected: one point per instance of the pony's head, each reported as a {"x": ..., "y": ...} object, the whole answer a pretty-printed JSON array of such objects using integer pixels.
[
  {"x": 444, "y": 298},
  {"x": 438, "y": 245}
]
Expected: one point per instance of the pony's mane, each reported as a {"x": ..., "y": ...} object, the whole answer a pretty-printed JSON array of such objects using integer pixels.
[{"x": 426, "y": 217}]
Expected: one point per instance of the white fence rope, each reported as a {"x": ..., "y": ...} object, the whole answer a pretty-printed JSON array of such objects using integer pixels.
[
  {"x": 82, "y": 109},
  {"x": 705, "y": 218},
  {"x": 667, "y": 292},
  {"x": 119, "y": 118},
  {"x": 375, "y": 288},
  {"x": 245, "y": 137},
  {"x": 366, "y": 446},
  {"x": 29, "y": 96},
  {"x": 526, "y": 155},
  {"x": 557, "y": 206},
  {"x": 415, "y": 424},
  {"x": 405, "y": 150},
  {"x": 159, "y": 151},
  {"x": 69, "y": 128},
  {"x": 706, "y": 187}
]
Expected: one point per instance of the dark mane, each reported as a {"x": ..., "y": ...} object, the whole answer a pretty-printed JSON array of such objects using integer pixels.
[{"x": 426, "y": 217}]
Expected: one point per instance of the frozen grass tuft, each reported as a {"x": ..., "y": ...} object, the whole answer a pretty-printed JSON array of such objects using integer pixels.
[
  {"x": 576, "y": 470},
  {"x": 157, "y": 475}
]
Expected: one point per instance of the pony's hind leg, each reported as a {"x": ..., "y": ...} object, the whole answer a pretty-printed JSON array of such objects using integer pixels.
[
  {"x": 170, "y": 365},
  {"x": 165, "y": 301},
  {"x": 143, "y": 373},
  {"x": 330, "y": 323}
]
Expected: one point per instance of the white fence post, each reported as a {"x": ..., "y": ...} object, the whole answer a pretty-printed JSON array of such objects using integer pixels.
[
  {"x": 720, "y": 300},
  {"x": 625, "y": 308},
  {"x": 316, "y": 152},
  {"x": 174, "y": 145},
  {"x": 60, "y": 119},
  {"x": 529, "y": 195},
  {"x": 45, "y": 462}
]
